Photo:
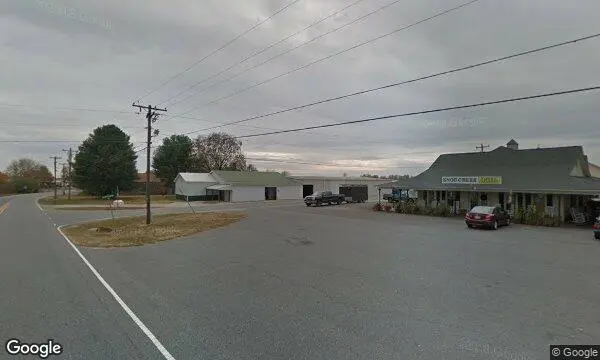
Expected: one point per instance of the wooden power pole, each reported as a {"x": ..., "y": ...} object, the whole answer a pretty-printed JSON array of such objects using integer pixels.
[
  {"x": 69, "y": 162},
  {"x": 151, "y": 117},
  {"x": 481, "y": 147},
  {"x": 55, "y": 158}
]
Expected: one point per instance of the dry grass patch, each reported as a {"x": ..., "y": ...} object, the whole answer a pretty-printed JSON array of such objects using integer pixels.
[
  {"x": 133, "y": 231},
  {"x": 92, "y": 200},
  {"x": 103, "y": 208}
]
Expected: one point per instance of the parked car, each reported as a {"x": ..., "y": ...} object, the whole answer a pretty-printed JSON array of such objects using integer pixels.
[
  {"x": 487, "y": 216},
  {"x": 597, "y": 229},
  {"x": 323, "y": 197}
]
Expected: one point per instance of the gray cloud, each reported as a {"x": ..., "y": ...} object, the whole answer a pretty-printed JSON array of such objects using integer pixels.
[{"x": 106, "y": 54}]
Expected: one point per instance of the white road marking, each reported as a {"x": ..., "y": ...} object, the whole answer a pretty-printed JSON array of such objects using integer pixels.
[
  {"x": 129, "y": 312},
  {"x": 126, "y": 308},
  {"x": 39, "y": 207}
]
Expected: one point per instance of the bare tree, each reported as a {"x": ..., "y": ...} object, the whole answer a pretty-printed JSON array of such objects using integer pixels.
[
  {"x": 22, "y": 167},
  {"x": 218, "y": 151}
]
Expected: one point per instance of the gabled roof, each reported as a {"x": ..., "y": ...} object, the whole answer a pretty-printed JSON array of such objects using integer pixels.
[
  {"x": 512, "y": 142},
  {"x": 545, "y": 169},
  {"x": 198, "y": 177},
  {"x": 339, "y": 178},
  {"x": 253, "y": 178}
]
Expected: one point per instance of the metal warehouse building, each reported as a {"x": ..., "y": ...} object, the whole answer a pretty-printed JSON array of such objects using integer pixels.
[
  {"x": 236, "y": 186},
  {"x": 311, "y": 184}
]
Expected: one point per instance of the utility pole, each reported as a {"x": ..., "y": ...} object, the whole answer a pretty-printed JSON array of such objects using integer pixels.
[
  {"x": 55, "y": 158},
  {"x": 63, "y": 185},
  {"x": 482, "y": 147},
  {"x": 70, "y": 162},
  {"x": 151, "y": 117}
]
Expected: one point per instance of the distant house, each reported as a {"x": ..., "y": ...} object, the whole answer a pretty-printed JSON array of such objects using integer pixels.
[
  {"x": 157, "y": 186},
  {"x": 236, "y": 186}
]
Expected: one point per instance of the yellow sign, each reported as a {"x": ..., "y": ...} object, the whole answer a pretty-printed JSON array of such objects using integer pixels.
[
  {"x": 472, "y": 180},
  {"x": 490, "y": 180}
]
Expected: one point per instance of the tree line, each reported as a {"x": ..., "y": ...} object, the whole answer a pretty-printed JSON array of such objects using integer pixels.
[
  {"x": 25, "y": 176},
  {"x": 106, "y": 160}
]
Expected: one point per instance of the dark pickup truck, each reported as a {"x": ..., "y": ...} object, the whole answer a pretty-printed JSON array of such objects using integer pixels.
[{"x": 323, "y": 197}]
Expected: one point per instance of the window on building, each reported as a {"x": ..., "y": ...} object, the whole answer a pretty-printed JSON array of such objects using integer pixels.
[
  {"x": 425, "y": 196},
  {"x": 443, "y": 195},
  {"x": 549, "y": 200},
  {"x": 527, "y": 200}
]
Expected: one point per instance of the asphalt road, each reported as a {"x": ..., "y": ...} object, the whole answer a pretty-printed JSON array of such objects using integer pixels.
[
  {"x": 291, "y": 282},
  {"x": 49, "y": 293}
]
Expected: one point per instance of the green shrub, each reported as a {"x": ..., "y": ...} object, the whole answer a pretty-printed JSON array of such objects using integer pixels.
[
  {"x": 463, "y": 212},
  {"x": 443, "y": 210}
]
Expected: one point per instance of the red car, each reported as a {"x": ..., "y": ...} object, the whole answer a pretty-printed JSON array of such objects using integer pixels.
[{"x": 487, "y": 216}]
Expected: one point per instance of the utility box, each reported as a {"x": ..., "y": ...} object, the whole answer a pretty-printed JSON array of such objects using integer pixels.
[{"x": 355, "y": 193}]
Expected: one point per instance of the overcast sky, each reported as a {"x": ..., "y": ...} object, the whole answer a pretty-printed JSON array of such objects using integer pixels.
[{"x": 103, "y": 55}]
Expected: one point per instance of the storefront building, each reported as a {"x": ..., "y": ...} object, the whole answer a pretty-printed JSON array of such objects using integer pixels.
[{"x": 558, "y": 181}]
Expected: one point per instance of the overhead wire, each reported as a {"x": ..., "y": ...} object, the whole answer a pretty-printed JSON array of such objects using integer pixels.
[
  {"x": 201, "y": 60},
  {"x": 395, "y": 84},
  {"x": 315, "y": 163},
  {"x": 439, "y": 14},
  {"x": 304, "y": 43},
  {"x": 422, "y": 112},
  {"x": 66, "y": 108}
]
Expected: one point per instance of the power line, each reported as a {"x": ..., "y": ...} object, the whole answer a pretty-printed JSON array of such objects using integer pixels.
[
  {"x": 64, "y": 108},
  {"x": 292, "y": 49},
  {"x": 335, "y": 54},
  {"x": 198, "y": 62},
  {"x": 316, "y": 163},
  {"x": 426, "y": 111},
  {"x": 12, "y": 124},
  {"x": 282, "y": 53},
  {"x": 361, "y": 92},
  {"x": 58, "y": 141}
]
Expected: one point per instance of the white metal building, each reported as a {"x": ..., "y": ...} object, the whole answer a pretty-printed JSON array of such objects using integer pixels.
[
  {"x": 311, "y": 184},
  {"x": 236, "y": 186},
  {"x": 193, "y": 184}
]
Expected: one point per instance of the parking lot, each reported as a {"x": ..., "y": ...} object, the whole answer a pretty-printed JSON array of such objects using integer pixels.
[{"x": 343, "y": 282}]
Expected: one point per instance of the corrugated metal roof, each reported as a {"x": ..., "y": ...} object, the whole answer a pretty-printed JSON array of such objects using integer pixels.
[
  {"x": 340, "y": 178},
  {"x": 198, "y": 177},
  {"x": 545, "y": 169},
  {"x": 253, "y": 178}
]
